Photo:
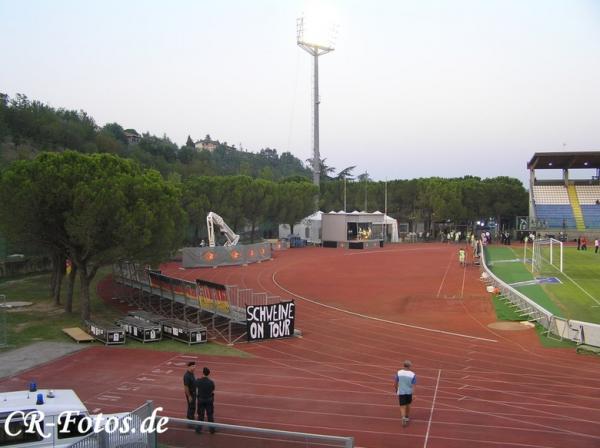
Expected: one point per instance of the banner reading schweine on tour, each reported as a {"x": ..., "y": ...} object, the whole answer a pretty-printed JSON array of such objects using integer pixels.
[{"x": 270, "y": 321}]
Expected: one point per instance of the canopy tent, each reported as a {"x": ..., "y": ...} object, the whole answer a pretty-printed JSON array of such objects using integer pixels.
[
  {"x": 309, "y": 228},
  {"x": 393, "y": 230}
]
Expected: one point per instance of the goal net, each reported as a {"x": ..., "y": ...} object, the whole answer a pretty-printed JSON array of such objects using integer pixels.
[{"x": 547, "y": 256}]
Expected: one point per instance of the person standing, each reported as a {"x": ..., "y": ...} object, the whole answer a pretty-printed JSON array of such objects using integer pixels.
[
  {"x": 583, "y": 242},
  {"x": 596, "y": 245},
  {"x": 206, "y": 399},
  {"x": 461, "y": 256},
  {"x": 189, "y": 386},
  {"x": 404, "y": 384}
]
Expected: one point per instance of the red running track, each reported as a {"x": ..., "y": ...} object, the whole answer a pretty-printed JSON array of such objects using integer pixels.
[{"x": 361, "y": 314}]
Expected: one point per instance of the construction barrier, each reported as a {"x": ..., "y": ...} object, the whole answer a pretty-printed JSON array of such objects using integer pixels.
[{"x": 208, "y": 257}]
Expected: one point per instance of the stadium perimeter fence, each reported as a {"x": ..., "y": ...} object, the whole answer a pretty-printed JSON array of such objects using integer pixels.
[
  {"x": 585, "y": 333},
  {"x": 182, "y": 433},
  {"x": 133, "y": 438},
  {"x": 3, "y": 322},
  {"x": 226, "y": 304},
  {"x": 177, "y": 432}
]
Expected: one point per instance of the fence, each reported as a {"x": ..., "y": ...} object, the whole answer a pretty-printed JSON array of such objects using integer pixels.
[
  {"x": 224, "y": 304},
  {"x": 134, "y": 437},
  {"x": 3, "y": 322},
  {"x": 181, "y": 433},
  {"x": 198, "y": 257},
  {"x": 573, "y": 330}
]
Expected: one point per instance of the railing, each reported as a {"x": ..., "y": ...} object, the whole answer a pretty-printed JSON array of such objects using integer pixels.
[
  {"x": 183, "y": 433},
  {"x": 3, "y": 322},
  {"x": 135, "y": 437},
  {"x": 580, "y": 332}
]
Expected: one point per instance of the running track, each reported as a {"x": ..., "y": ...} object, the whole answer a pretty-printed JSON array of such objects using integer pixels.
[{"x": 362, "y": 313}]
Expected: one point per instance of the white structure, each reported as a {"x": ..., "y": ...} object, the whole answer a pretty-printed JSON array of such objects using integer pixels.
[
  {"x": 310, "y": 228},
  {"x": 212, "y": 219}
]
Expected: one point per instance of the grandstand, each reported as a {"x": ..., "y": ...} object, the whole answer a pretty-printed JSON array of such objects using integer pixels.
[{"x": 565, "y": 204}]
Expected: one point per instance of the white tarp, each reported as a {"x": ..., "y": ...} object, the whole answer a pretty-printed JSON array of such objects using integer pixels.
[
  {"x": 389, "y": 221},
  {"x": 309, "y": 228}
]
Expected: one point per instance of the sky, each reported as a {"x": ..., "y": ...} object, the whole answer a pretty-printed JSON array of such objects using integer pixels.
[{"x": 413, "y": 88}]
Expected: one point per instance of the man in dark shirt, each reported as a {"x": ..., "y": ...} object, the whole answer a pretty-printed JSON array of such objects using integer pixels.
[
  {"x": 206, "y": 399},
  {"x": 189, "y": 386}
]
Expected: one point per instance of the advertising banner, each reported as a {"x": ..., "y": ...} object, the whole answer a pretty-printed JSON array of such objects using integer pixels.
[{"x": 270, "y": 321}]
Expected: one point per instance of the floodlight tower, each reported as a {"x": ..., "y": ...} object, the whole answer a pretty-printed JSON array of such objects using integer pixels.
[{"x": 316, "y": 41}]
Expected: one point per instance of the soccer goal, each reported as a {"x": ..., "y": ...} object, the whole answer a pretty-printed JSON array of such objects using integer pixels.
[{"x": 547, "y": 255}]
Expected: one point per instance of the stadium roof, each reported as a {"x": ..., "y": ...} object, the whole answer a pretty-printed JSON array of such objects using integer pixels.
[{"x": 564, "y": 160}]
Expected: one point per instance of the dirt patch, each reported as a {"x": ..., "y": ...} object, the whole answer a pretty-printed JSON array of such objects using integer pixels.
[
  {"x": 43, "y": 307},
  {"x": 20, "y": 327},
  {"x": 511, "y": 326}
]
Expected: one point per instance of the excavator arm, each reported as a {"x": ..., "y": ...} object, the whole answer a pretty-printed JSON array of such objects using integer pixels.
[{"x": 212, "y": 219}]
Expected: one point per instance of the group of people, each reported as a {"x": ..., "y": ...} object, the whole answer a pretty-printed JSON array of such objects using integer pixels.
[
  {"x": 582, "y": 244},
  {"x": 505, "y": 238},
  {"x": 200, "y": 396},
  {"x": 200, "y": 393}
]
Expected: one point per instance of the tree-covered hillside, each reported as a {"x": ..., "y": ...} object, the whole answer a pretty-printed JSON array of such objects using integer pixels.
[{"x": 28, "y": 127}]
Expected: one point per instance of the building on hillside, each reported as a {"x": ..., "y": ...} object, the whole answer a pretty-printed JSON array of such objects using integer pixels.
[
  {"x": 207, "y": 143},
  {"x": 132, "y": 136}
]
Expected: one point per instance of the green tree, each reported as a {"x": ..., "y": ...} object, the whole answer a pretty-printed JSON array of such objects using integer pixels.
[
  {"x": 97, "y": 208},
  {"x": 117, "y": 131},
  {"x": 257, "y": 199}
]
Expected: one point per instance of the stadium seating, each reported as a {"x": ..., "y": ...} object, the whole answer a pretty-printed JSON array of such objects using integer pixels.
[
  {"x": 555, "y": 216},
  {"x": 588, "y": 195},
  {"x": 591, "y": 215},
  {"x": 550, "y": 195},
  {"x": 552, "y": 206}
]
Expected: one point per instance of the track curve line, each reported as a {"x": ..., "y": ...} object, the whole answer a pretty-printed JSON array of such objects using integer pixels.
[{"x": 377, "y": 319}]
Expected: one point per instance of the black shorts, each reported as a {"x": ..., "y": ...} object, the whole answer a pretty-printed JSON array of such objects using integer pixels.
[{"x": 405, "y": 399}]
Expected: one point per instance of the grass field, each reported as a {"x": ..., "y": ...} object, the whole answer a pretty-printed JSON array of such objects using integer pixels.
[
  {"x": 44, "y": 321},
  {"x": 576, "y": 297}
]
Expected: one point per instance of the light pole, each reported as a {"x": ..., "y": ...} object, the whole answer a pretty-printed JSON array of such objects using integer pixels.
[{"x": 315, "y": 42}]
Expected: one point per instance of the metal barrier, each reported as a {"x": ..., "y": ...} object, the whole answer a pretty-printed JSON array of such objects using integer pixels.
[
  {"x": 134, "y": 437},
  {"x": 3, "y": 322},
  {"x": 573, "y": 330},
  {"x": 181, "y": 433},
  {"x": 198, "y": 257}
]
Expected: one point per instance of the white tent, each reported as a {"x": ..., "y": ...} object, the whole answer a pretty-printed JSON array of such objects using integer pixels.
[
  {"x": 388, "y": 220},
  {"x": 310, "y": 228}
]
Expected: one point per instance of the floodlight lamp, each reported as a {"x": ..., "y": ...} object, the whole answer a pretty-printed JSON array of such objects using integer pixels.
[{"x": 316, "y": 35}]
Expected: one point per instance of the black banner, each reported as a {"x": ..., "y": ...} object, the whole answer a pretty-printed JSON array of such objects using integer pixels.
[{"x": 270, "y": 321}]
